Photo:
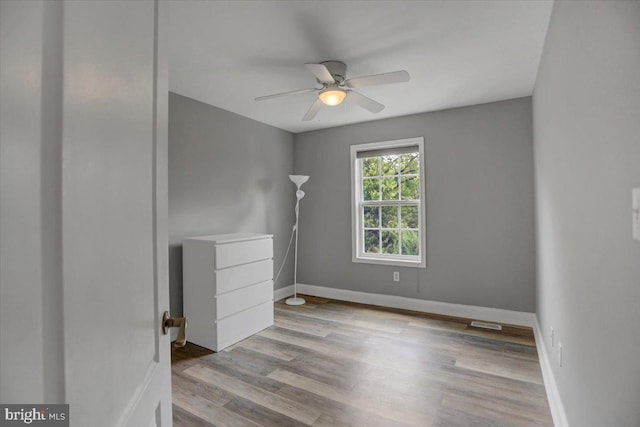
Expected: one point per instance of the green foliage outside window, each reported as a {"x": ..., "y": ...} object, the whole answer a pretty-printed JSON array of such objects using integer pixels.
[
  {"x": 389, "y": 217},
  {"x": 371, "y": 189},
  {"x": 409, "y": 164},
  {"x": 370, "y": 167},
  {"x": 372, "y": 241},
  {"x": 390, "y": 242},
  {"x": 409, "y": 217},
  {"x": 371, "y": 217},
  {"x": 393, "y": 228},
  {"x": 410, "y": 244}
]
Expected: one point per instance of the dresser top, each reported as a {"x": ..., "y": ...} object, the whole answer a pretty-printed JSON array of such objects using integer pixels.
[{"x": 231, "y": 237}]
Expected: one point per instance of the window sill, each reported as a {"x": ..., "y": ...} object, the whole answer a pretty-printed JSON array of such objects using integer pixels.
[{"x": 394, "y": 262}]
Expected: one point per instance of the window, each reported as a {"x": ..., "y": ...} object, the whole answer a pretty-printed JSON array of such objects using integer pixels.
[{"x": 388, "y": 202}]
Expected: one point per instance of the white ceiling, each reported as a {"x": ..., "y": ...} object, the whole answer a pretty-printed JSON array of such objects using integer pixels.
[{"x": 226, "y": 53}]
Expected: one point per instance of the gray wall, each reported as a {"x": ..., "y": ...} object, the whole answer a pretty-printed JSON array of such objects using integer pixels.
[
  {"x": 31, "y": 323},
  {"x": 480, "y": 207},
  {"x": 586, "y": 108},
  {"x": 227, "y": 173}
]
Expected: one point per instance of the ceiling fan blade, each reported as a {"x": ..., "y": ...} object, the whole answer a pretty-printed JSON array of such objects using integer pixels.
[
  {"x": 293, "y": 92},
  {"x": 379, "y": 79},
  {"x": 364, "y": 102},
  {"x": 313, "y": 110},
  {"x": 321, "y": 72}
]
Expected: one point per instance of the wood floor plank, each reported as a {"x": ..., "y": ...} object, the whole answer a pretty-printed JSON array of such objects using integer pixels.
[
  {"x": 530, "y": 412},
  {"x": 347, "y": 319},
  {"x": 243, "y": 361},
  {"x": 483, "y": 385},
  {"x": 355, "y": 420},
  {"x": 208, "y": 411},
  {"x": 401, "y": 391},
  {"x": 260, "y": 414},
  {"x": 451, "y": 417},
  {"x": 478, "y": 345},
  {"x": 436, "y": 324},
  {"x": 465, "y": 330},
  {"x": 492, "y": 410},
  {"x": 268, "y": 348},
  {"x": 503, "y": 366},
  {"x": 184, "y": 385},
  {"x": 343, "y": 328},
  {"x": 306, "y": 328},
  {"x": 384, "y": 408},
  {"x": 235, "y": 365},
  {"x": 336, "y": 371},
  {"x": 335, "y": 411},
  {"x": 256, "y": 395},
  {"x": 304, "y": 342},
  {"x": 516, "y": 339},
  {"x": 182, "y": 418}
]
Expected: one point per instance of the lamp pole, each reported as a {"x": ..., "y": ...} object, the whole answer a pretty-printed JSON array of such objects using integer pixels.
[
  {"x": 295, "y": 255},
  {"x": 298, "y": 180}
]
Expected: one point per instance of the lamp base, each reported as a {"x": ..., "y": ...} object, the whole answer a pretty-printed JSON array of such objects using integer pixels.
[{"x": 295, "y": 301}]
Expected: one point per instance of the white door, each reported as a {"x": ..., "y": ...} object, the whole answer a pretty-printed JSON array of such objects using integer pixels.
[
  {"x": 83, "y": 155},
  {"x": 114, "y": 228}
]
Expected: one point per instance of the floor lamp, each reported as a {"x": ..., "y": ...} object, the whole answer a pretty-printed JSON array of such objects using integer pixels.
[{"x": 297, "y": 180}]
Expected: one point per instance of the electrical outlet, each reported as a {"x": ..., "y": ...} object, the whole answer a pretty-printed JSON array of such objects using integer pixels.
[
  {"x": 396, "y": 276},
  {"x": 560, "y": 354},
  {"x": 553, "y": 337}
]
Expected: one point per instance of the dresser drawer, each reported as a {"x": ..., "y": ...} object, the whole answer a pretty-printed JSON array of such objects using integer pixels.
[
  {"x": 228, "y": 255},
  {"x": 241, "y": 325},
  {"x": 242, "y": 299},
  {"x": 233, "y": 278}
]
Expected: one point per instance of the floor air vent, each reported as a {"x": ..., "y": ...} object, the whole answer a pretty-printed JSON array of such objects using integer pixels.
[{"x": 486, "y": 325}]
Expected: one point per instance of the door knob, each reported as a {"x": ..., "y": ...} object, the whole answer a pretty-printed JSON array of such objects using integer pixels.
[{"x": 175, "y": 322}]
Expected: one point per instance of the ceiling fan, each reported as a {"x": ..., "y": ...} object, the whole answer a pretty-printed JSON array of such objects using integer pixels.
[{"x": 335, "y": 89}]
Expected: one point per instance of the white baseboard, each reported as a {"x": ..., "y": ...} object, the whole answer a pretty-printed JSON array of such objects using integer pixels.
[
  {"x": 553, "y": 395},
  {"x": 282, "y": 293},
  {"x": 507, "y": 317}
]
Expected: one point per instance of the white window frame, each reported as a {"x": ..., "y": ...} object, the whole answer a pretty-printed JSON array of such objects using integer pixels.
[{"x": 357, "y": 237}]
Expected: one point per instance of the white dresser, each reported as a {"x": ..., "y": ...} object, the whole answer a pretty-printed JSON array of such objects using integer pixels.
[{"x": 227, "y": 287}]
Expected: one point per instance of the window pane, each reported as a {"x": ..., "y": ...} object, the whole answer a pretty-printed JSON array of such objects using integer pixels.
[
  {"x": 371, "y": 189},
  {"x": 409, "y": 163},
  {"x": 410, "y": 188},
  {"x": 370, "y": 166},
  {"x": 388, "y": 202},
  {"x": 410, "y": 242},
  {"x": 372, "y": 241},
  {"x": 371, "y": 218},
  {"x": 389, "y": 217},
  {"x": 390, "y": 188},
  {"x": 409, "y": 217},
  {"x": 390, "y": 242},
  {"x": 389, "y": 165}
]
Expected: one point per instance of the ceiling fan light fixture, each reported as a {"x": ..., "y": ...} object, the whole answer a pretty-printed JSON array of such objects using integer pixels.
[{"x": 332, "y": 96}]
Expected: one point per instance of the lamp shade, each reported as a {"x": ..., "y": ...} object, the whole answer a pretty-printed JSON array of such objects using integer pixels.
[
  {"x": 332, "y": 96},
  {"x": 299, "y": 179}
]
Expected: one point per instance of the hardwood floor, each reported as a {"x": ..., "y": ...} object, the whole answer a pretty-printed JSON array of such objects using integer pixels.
[{"x": 332, "y": 363}]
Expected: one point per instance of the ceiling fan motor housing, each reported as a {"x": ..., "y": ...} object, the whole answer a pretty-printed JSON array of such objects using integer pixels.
[{"x": 337, "y": 69}]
